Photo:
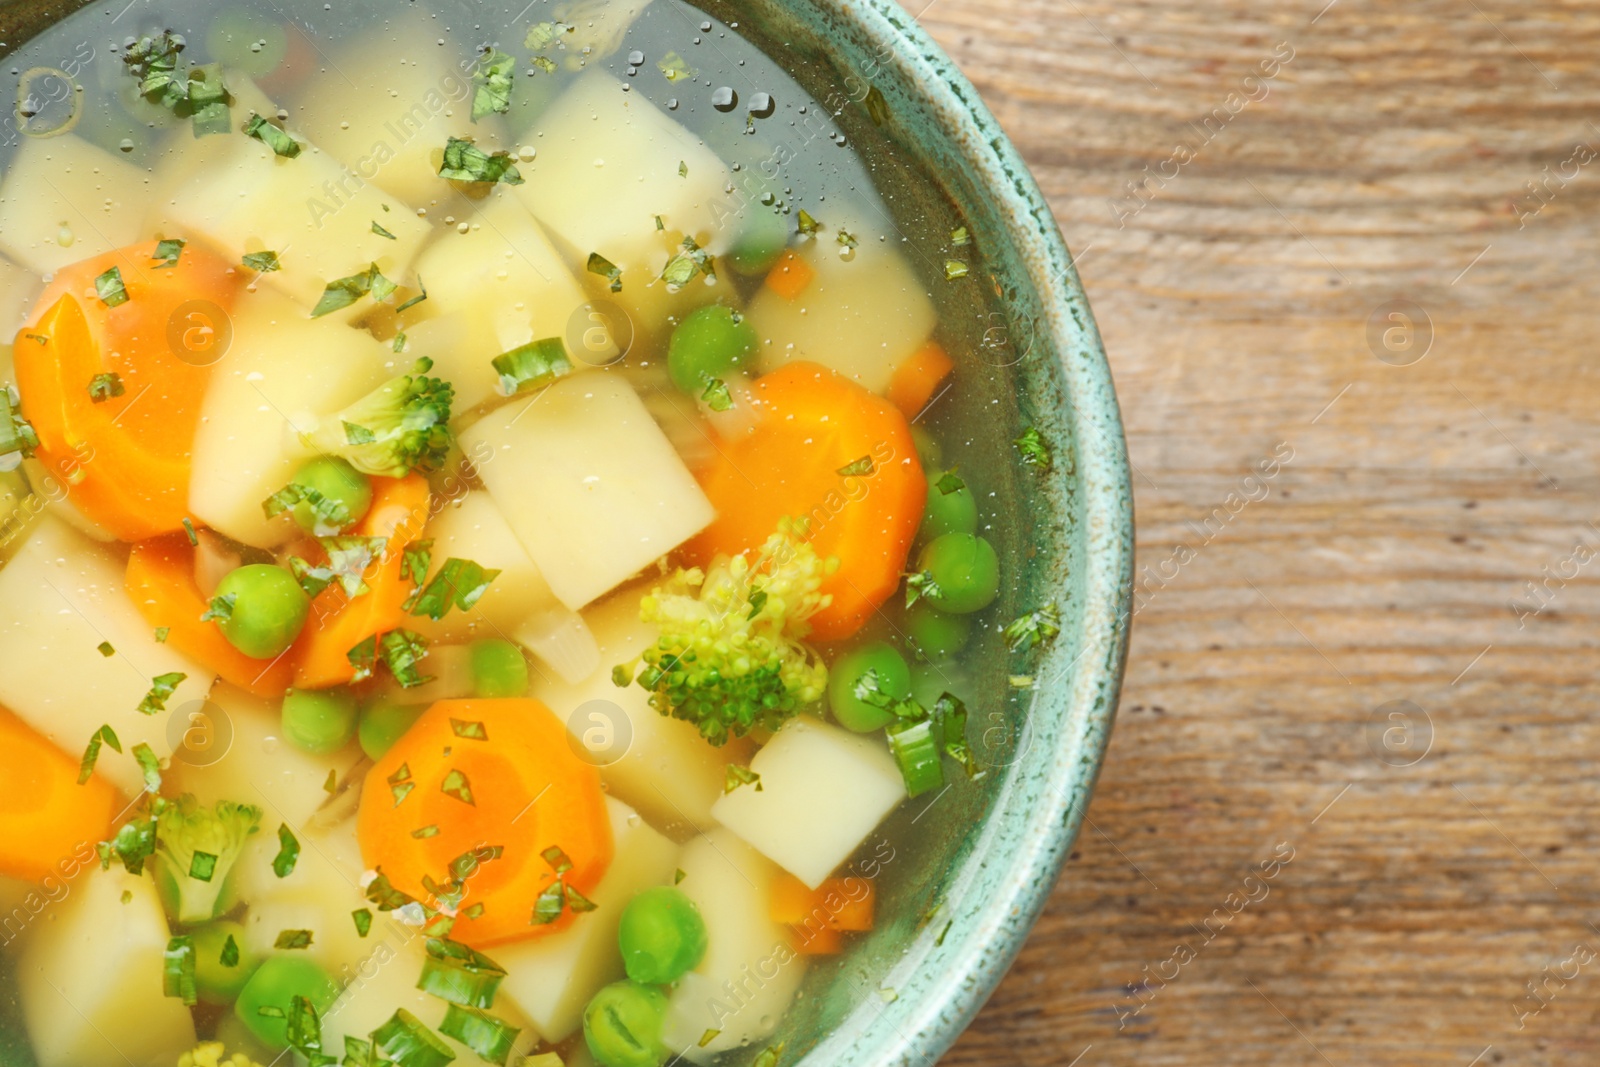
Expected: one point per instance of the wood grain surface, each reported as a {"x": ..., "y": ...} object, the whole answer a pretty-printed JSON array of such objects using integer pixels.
[{"x": 1338, "y": 510}]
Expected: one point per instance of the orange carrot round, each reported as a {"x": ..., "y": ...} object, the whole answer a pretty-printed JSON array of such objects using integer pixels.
[
  {"x": 160, "y": 582},
  {"x": 338, "y": 623},
  {"x": 917, "y": 380},
  {"x": 48, "y": 819},
  {"x": 839, "y": 457},
  {"x": 495, "y": 775},
  {"x": 125, "y": 459}
]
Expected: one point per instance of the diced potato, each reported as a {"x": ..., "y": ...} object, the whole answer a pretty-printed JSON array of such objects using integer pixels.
[
  {"x": 750, "y": 973},
  {"x": 823, "y": 790},
  {"x": 598, "y": 28},
  {"x": 61, "y": 597},
  {"x": 562, "y": 641},
  {"x": 319, "y": 895},
  {"x": 90, "y": 978},
  {"x": 19, "y": 288},
  {"x": 862, "y": 316},
  {"x": 281, "y": 371},
  {"x": 387, "y": 980},
  {"x": 63, "y": 200},
  {"x": 473, "y": 528},
  {"x": 661, "y": 766},
  {"x": 589, "y": 483},
  {"x": 258, "y": 766},
  {"x": 315, "y": 214},
  {"x": 504, "y": 273},
  {"x": 385, "y": 113},
  {"x": 551, "y": 978},
  {"x": 609, "y": 162}
]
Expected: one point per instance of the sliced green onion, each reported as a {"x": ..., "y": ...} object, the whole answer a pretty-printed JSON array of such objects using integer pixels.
[
  {"x": 208, "y": 100},
  {"x": 409, "y": 1043},
  {"x": 484, "y": 1034},
  {"x": 459, "y": 974},
  {"x": 177, "y": 970},
  {"x": 150, "y": 765},
  {"x": 532, "y": 366},
  {"x": 271, "y": 136},
  {"x": 916, "y": 753}
]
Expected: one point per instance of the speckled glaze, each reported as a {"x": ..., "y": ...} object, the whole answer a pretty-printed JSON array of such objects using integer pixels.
[{"x": 1077, "y": 519}]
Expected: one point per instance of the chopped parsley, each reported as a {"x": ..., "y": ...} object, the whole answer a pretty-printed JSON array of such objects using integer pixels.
[
  {"x": 329, "y": 515},
  {"x": 16, "y": 433},
  {"x": 103, "y": 736},
  {"x": 716, "y": 395},
  {"x": 1035, "y": 453},
  {"x": 422, "y": 294},
  {"x": 363, "y": 920},
  {"x": 381, "y": 232},
  {"x": 220, "y": 608},
  {"x": 492, "y": 83},
  {"x": 349, "y": 559},
  {"x": 608, "y": 270},
  {"x": 343, "y": 292},
  {"x": 470, "y": 729},
  {"x": 860, "y": 468},
  {"x": 262, "y": 262},
  {"x": 456, "y": 785},
  {"x": 154, "y": 62},
  {"x": 920, "y": 585},
  {"x": 162, "y": 686},
  {"x": 806, "y": 224},
  {"x": 415, "y": 560},
  {"x": 292, "y": 939},
  {"x": 177, "y": 970},
  {"x": 110, "y": 288},
  {"x": 692, "y": 260},
  {"x": 208, "y": 100},
  {"x": 738, "y": 777},
  {"x": 460, "y": 582},
  {"x": 106, "y": 649},
  {"x": 466, "y": 162},
  {"x": 950, "y": 482},
  {"x": 1034, "y": 628},
  {"x": 288, "y": 852},
  {"x": 683, "y": 169},
  {"x": 272, "y": 136},
  {"x": 954, "y": 269},
  {"x": 846, "y": 239},
  {"x": 149, "y": 766},
  {"x": 398, "y": 650},
  {"x": 161, "y": 634},
  {"x": 532, "y": 366},
  {"x": 229, "y": 957},
  {"x": 167, "y": 252}
]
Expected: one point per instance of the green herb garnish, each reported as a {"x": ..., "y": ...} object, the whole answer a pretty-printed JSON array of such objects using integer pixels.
[
  {"x": 1035, "y": 453},
  {"x": 288, "y": 852},
  {"x": 692, "y": 260},
  {"x": 103, "y": 736},
  {"x": 229, "y": 956},
  {"x": 344, "y": 292},
  {"x": 106, "y": 649},
  {"x": 920, "y": 585},
  {"x": 949, "y": 482},
  {"x": 177, "y": 970},
  {"x": 1034, "y": 628},
  {"x": 162, "y": 686},
  {"x": 466, "y": 162},
  {"x": 877, "y": 106},
  {"x": 220, "y": 608},
  {"x": 110, "y": 289},
  {"x": 456, "y": 785},
  {"x": 860, "y": 468},
  {"x": 716, "y": 395},
  {"x": 738, "y": 776},
  {"x": 608, "y": 270},
  {"x": 167, "y": 252},
  {"x": 489, "y": 1037},
  {"x": 271, "y": 136},
  {"x": 806, "y": 225},
  {"x": 292, "y": 939},
  {"x": 363, "y": 920},
  {"x": 492, "y": 83},
  {"x": 532, "y": 366},
  {"x": 262, "y": 262},
  {"x": 954, "y": 269},
  {"x": 460, "y": 582}
]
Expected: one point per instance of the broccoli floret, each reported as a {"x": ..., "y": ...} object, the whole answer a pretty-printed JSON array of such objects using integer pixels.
[
  {"x": 199, "y": 846},
  {"x": 402, "y": 426},
  {"x": 731, "y": 655}
]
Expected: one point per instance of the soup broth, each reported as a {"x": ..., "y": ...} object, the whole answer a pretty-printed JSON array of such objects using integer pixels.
[{"x": 488, "y": 569}]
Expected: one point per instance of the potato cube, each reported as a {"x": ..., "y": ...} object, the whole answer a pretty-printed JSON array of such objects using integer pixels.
[
  {"x": 61, "y": 598},
  {"x": 588, "y": 482},
  {"x": 862, "y": 316},
  {"x": 750, "y": 973},
  {"x": 661, "y": 766},
  {"x": 552, "y": 977},
  {"x": 90, "y": 978},
  {"x": 64, "y": 199},
  {"x": 281, "y": 371},
  {"x": 823, "y": 790}
]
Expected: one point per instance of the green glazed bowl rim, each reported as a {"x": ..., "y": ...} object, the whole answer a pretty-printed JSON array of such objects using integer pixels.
[{"x": 941, "y": 983}]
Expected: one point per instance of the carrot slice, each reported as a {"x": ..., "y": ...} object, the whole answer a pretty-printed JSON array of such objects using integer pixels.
[
  {"x": 337, "y": 624},
  {"x": 125, "y": 459},
  {"x": 486, "y": 775},
  {"x": 838, "y": 903},
  {"x": 791, "y": 275},
  {"x": 917, "y": 379},
  {"x": 48, "y": 819},
  {"x": 815, "y": 941},
  {"x": 160, "y": 582},
  {"x": 817, "y": 428}
]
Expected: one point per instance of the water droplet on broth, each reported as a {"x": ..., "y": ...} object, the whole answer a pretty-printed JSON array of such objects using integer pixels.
[
  {"x": 762, "y": 105},
  {"x": 635, "y": 59},
  {"x": 725, "y": 99}
]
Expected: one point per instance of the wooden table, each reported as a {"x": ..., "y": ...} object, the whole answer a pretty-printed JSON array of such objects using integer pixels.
[{"x": 1296, "y": 876}]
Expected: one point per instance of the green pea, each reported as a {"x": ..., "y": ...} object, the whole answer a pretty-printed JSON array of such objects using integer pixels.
[
  {"x": 662, "y": 936},
  {"x": 893, "y": 678},
  {"x": 269, "y": 609},
  {"x": 622, "y": 1026},
  {"x": 336, "y": 480},
  {"x": 965, "y": 573},
  {"x": 275, "y": 984},
  {"x": 709, "y": 343},
  {"x": 929, "y": 451},
  {"x": 217, "y": 982},
  {"x": 383, "y": 723},
  {"x": 935, "y": 634},
  {"x": 319, "y": 721},
  {"x": 762, "y": 238},
  {"x": 952, "y": 512},
  {"x": 499, "y": 669}
]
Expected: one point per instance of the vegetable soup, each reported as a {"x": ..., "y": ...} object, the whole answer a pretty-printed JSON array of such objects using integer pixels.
[{"x": 479, "y": 582}]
